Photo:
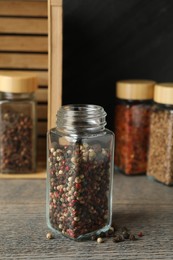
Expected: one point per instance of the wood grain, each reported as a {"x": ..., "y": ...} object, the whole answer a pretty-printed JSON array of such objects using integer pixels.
[
  {"x": 25, "y": 61},
  {"x": 23, "y": 8},
  {"x": 23, "y": 25},
  {"x": 54, "y": 61},
  {"x": 42, "y": 111},
  {"x": 23, "y": 44},
  {"x": 139, "y": 204},
  {"x": 41, "y": 95},
  {"x": 42, "y": 128},
  {"x": 56, "y": 2}
]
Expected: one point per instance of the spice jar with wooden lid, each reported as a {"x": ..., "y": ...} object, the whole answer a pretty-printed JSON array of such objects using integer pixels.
[
  {"x": 17, "y": 122},
  {"x": 160, "y": 157},
  {"x": 80, "y": 168},
  {"x": 132, "y": 116}
]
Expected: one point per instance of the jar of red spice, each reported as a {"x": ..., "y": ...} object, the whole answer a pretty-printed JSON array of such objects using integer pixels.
[
  {"x": 80, "y": 167},
  {"x": 132, "y": 118},
  {"x": 160, "y": 156},
  {"x": 17, "y": 122}
]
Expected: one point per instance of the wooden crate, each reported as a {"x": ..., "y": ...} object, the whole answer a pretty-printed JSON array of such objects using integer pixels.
[
  {"x": 55, "y": 59},
  {"x": 24, "y": 47}
]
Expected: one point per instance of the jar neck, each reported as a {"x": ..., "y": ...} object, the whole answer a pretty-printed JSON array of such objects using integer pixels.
[
  {"x": 17, "y": 96},
  {"x": 81, "y": 119},
  {"x": 163, "y": 106}
]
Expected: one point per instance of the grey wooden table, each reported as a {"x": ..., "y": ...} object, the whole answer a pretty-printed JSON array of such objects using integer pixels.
[{"x": 138, "y": 203}]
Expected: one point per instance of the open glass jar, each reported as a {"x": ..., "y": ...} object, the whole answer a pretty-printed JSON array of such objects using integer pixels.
[
  {"x": 132, "y": 121},
  {"x": 17, "y": 122},
  {"x": 80, "y": 167}
]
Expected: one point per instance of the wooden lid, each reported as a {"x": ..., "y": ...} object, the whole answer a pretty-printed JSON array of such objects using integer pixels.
[
  {"x": 135, "y": 89},
  {"x": 18, "y": 82},
  {"x": 163, "y": 93}
]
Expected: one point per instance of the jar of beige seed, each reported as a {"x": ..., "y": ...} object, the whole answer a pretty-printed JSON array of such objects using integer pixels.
[{"x": 160, "y": 157}]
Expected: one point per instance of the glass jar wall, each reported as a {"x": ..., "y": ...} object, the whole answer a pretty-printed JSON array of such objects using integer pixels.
[
  {"x": 17, "y": 123},
  {"x": 132, "y": 118},
  {"x": 79, "y": 172},
  {"x": 160, "y": 159}
]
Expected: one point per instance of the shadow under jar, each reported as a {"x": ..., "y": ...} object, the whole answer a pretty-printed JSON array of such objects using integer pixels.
[
  {"x": 17, "y": 123},
  {"x": 160, "y": 157},
  {"x": 132, "y": 118},
  {"x": 80, "y": 167}
]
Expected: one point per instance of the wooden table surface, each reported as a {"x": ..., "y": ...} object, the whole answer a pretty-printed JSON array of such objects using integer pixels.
[{"x": 139, "y": 204}]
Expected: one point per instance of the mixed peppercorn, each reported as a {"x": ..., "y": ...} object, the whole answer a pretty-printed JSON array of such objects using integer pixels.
[
  {"x": 116, "y": 234},
  {"x": 79, "y": 188},
  {"x": 16, "y": 142}
]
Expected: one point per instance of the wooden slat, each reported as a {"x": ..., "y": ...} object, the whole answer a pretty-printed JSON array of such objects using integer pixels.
[
  {"x": 55, "y": 62},
  {"x": 41, "y": 143},
  {"x": 40, "y": 174},
  {"x": 41, "y": 95},
  {"x": 41, "y": 111},
  {"x": 29, "y": 61},
  {"x": 23, "y": 8},
  {"x": 56, "y": 2},
  {"x": 41, "y": 149},
  {"x": 23, "y": 25},
  {"x": 42, "y": 128},
  {"x": 42, "y": 78},
  {"x": 23, "y": 43}
]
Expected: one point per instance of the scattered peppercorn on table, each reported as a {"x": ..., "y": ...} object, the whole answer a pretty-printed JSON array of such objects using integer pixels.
[{"x": 143, "y": 206}]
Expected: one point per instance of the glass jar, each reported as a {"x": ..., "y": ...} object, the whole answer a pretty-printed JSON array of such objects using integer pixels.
[
  {"x": 17, "y": 122},
  {"x": 79, "y": 172},
  {"x": 160, "y": 158},
  {"x": 132, "y": 116}
]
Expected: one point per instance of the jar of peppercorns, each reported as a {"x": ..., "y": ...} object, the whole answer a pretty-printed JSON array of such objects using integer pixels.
[
  {"x": 132, "y": 118},
  {"x": 17, "y": 122},
  {"x": 80, "y": 167},
  {"x": 160, "y": 156}
]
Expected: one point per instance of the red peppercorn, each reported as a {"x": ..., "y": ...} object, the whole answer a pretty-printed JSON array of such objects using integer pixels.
[
  {"x": 67, "y": 168},
  {"x": 78, "y": 186}
]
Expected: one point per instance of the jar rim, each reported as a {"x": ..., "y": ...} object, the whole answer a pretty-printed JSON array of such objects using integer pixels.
[{"x": 81, "y": 117}]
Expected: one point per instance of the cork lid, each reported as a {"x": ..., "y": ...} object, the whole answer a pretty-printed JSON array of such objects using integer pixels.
[
  {"x": 18, "y": 82},
  {"x": 163, "y": 93},
  {"x": 135, "y": 89}
]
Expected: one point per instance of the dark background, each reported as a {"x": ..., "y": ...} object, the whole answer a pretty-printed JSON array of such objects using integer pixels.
[{"x": 105, "y": 41}]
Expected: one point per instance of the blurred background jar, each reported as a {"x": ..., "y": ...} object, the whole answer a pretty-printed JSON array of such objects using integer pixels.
[
  {"x": 17, "y": 122},
  {"x": 132, "y": 116},
  {"x": 160, "y": 159}
]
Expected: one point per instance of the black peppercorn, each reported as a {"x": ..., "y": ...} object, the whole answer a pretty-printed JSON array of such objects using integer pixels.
[
  {"x": 132, "y": 237},
  {"x": 102, "y": 234},
  {"x": 125, "y": 234},
  {"x": 118, "y": 238},
  {"x": 93, "y": 237}
]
